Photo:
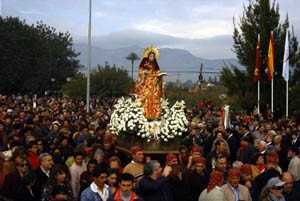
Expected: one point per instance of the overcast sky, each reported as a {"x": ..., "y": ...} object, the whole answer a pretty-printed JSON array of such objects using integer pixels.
[{"x": 180, "y": 18}]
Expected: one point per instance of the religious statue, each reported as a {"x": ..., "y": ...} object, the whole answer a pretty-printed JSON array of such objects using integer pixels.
[{"x": 149, "y": 84}]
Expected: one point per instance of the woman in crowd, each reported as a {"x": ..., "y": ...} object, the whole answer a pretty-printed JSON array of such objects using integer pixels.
[
  {"x": 259, "y": 165},
  {"x": 59, "y": 175},
  {"x": 112, "y": 179}
]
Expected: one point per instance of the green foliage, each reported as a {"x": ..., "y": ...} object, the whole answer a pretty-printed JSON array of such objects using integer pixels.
[
  {"x": 110, "y": 81},
  {"x": 258, "y": 18},
  {"x": 76, "y": 88},
  {"x": 33, "y": 54}
]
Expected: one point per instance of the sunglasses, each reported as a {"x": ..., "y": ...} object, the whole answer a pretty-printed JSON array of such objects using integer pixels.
[
  {"x": 278, "y": 188},
  {"x": 23, "y": 165}
]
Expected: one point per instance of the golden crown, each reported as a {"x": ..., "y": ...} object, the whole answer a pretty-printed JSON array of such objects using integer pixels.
[{"x": 150, "y": 49}]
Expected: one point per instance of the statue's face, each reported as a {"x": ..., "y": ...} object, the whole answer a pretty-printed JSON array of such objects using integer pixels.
[{"x": 151, "y": 57}]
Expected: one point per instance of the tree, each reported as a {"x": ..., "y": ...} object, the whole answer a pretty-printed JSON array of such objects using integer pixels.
[
  {"x": 258, "y": 18},
  {"x": 110, "y": 81},
  {"x": 132, "y": 57},
  {"x": 33, "y": 54}
]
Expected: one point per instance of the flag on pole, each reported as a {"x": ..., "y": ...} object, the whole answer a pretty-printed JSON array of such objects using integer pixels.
[
  {"x": 285, "y": 69},
  {"x": 270, "y": 60},
  {"x": 257, "y": 63}
]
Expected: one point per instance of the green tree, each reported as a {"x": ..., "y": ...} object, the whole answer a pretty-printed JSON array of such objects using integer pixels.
[
  {"x": 132, "y": 57},
  {"x": 110, "y": 81},
  {"x": 33, "y": 54},
  {"x": 258, "y": 18}
]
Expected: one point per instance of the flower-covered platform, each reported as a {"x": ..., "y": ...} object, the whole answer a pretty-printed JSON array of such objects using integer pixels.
[{"x": 132, "y": 128}]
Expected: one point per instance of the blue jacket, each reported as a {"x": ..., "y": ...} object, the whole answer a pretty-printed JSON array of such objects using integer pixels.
[{"x": 89, "y": 194}]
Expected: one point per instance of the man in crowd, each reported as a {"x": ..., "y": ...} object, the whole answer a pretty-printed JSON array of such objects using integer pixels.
[
  {"x": 136, "y": 166},
  {"x": 289, "y": 192},
  {"x": 125, "y": 192},
  {"x": 98, "y": 190},
  {"x": 233, "y": 190},
  {"x": 154, "y": 186}
]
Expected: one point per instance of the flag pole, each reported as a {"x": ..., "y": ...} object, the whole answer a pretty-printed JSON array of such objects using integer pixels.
[
  {"x": 272, "y": 95},
  {"x": 287, "y": 98},
  {"x": 258, "y": 84},
  {"x": 272, "y": 81}
]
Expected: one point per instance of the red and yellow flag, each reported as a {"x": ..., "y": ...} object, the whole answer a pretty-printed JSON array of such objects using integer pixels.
[
  {"x": 270, "y": 60},
  {"x": 257, "y": 63}
]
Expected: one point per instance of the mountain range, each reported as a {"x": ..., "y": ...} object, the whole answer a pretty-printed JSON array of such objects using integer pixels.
[{"x": 180, "y": 57}]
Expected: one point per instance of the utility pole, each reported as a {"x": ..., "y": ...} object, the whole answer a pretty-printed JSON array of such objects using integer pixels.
[{"x": 89, "y": 60}]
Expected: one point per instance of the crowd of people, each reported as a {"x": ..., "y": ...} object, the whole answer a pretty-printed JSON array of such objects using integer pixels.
[{"x": 53, "y": 149}]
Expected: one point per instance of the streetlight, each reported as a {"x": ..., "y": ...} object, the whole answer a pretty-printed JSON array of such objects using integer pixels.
[
  {"x": 199, "y": 82},
  {"x": 89, "y": 60},
  {"x": 52, "y": 83},
  {"x": 69, "y": 79}
]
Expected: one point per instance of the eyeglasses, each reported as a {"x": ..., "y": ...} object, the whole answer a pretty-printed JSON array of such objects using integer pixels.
[
  {"x": 278, "y": 188},
  {"x": 25, "y": 164}
]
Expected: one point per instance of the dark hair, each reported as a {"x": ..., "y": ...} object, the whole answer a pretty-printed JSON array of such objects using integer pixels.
[
  {"x": 92, "y": 161},
  {"x": 255, "y": 157},
  {"x": 218, "y": 142},
  {"x": 294, "y": 149},
  {"x": 58, "y": 169},
  {"x": 29, "y": 178},
  {"x": 111, "y": 171},
  {"x": 99, "y": 170},
  {"x": 126, "y": 177},
  {"x": 59, "y": 190},
  {"x": 79, "y": 153}
]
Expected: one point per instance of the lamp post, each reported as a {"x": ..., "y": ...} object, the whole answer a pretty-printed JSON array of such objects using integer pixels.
[
  {"x": 200, "y": 80},
  {"x": 52, "y": 83},
  {"x": 89, "y": 60},
  {"x": 69, "y": 79}
]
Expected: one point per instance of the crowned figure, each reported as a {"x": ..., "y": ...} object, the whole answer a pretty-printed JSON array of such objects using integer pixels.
[{"x": 149, "y": 86}]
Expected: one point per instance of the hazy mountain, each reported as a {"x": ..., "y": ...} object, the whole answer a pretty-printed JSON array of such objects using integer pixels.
[{"x": 177, "y": 57}]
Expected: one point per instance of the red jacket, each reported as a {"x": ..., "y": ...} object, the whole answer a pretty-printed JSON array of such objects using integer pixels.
[{"x": 134, "y": 196}]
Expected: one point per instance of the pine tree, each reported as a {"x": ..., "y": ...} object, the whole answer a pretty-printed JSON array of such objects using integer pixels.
[{"x": 259, "y": 17}]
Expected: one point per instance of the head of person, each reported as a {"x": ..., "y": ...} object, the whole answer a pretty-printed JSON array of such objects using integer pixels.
[
  {"x": 114, "y": 162},
  {"x": 245, "y": 141},
  {"x": 221, "y": 163},
  {"x": 137, "y": 154},
  {"x": 91, "y": 165},
  {"x": 171, "y": 159},
  {"x": 294, "y": 135},
  {"x": 271, "y": 163},
  {"x": 22, "y": 164},
  {"x": 126, "y": 183},
  {"x": 258, "y": 159},
  {"x": 60, "y": 193},
  {"x": 246, "y": 172},
  {"x": 293, "y": 151},
  {"x": 100, "y": 176},
  {"x": 112, "y": 177},
  {"x": 46, "y": 161},
  {"x": 196, "y": 152},
  {"x": 151, "y": 56},
  {"x": 288, "y": 179},
  {"x": 237, "y": 164},
  {"x": 32, "y": 147},
  {"x": 262, "y": 146},
  {"x": 152, "y": 169},
  {"x": 234, "y": 176},
  {"x": 175, "y": 173},
  {"x": 59, "y": 174},
  {"x": 275, "y": 186},
  {"x": 79, "y": 157},
  {"x": 199, "y": 165},
  {"x": 216, "y": 179}
]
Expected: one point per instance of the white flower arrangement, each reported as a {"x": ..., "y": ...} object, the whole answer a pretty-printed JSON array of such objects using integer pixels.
[{"x": 128, "y": 117}]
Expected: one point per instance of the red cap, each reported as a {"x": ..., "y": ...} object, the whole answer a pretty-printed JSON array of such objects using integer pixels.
[
  {"x": 170, "y": 157},
  {"x": 234, "y": 172},
  {"x": 246, "y": 169},
  {"x": 199, "y": 160},
  {"x": 135, "y": 149},
  {"x": 271, "y": 160},
  {"x": 273, "y": 154},
  {"x": 196, "y": 149}
]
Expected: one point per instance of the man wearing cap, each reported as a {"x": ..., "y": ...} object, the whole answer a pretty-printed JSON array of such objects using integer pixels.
[
  {"x": 246, "y": 180},
  {"x": 275, "y": 189},
  {"x": 136, "y": 166},
  {"x": 171, "y": 159},
  {"x": 234, "y": 191},
  {"x": 197, "y": 177}
]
